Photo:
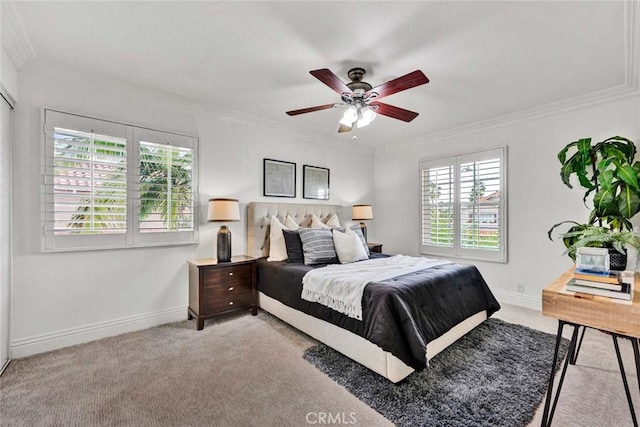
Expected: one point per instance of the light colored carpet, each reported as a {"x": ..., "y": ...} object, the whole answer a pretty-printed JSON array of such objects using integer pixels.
[{"x": 249, "y": 371}]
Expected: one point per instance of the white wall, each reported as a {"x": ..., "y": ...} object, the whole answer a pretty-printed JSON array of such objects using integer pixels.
[
  {"x": 64, "y": 298},
  {"x": 537, "y": 199},
  {"x": 8, "y": 75}
]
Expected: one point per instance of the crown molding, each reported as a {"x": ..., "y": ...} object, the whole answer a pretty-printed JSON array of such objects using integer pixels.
[
  {"x": 629, "y": 89},
  {"x": 632, "y": 43},
  {"x": 15, "y": 40}
]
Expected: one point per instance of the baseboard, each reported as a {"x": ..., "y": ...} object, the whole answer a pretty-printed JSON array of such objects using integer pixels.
[
  {"x": 519, "y": 299},
  {"x": 55, "y": 340}
]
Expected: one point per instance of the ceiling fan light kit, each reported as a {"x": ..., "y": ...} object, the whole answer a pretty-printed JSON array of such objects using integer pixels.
[
  {"x": 362, "y": 99},
  {"x": 350, "y": 115}
]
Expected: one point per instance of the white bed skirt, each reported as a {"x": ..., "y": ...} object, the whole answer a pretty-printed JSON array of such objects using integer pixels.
[{"x": 359, "y": 349}]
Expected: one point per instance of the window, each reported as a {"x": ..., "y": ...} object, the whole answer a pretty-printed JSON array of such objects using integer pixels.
[
  {"x": 166, "y": 199},
  {"x": 464, "y": 206},
  {"x": 111, "y": 185}
]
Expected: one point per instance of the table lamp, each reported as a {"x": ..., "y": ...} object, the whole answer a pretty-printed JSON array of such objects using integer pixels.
[
  {"x": 223, "y": 210},
  {"x": 362, "y": 213}
]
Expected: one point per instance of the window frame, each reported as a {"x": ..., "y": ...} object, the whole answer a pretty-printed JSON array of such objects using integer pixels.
[
  {"x": 133, "y": 134},
  {"x": 456, "y": 250}
]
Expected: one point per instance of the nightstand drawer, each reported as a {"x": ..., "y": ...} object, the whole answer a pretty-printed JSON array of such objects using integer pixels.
[
  {"x": 229, "y": 287},
  {"x": 229, "y": 302},
  {"x": 227, "y": 274}
]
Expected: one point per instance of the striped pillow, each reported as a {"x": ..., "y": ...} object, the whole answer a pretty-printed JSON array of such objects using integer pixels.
[
  {"x": 356, "y": 229},
  {"x": 317, "y": 245}
]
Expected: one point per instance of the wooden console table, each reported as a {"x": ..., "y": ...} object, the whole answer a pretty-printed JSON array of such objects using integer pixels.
[{"x": 587, "y": 311}]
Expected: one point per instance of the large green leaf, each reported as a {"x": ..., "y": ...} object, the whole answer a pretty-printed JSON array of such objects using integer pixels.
[
  {"x": 613, "y": 152},
  {"x": 605, "y": 179},
  {"x": 565, "y": 174},
  {"x": 604, "y": 164},
  {"x": 603, "y": 201},
  {"x": 628, "y": 201},
  {"x": 584, "y": 148},
  {"x": 628, "y": 175},
  {"x": 584, "y": 179},
  {"x": 562, "y": 155},
  {"x": 623, "y": 144},
  {"x": 559, "y": 224}
]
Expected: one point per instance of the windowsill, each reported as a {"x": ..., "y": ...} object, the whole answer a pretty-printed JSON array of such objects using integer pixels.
[
  {"x": 466, "y": 258},
  {"x": 111, "y": 248}
]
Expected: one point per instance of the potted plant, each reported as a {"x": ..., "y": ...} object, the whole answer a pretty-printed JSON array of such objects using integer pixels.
[
  {"x": 593, "y": 236},
  {"x": 608, "y": 171}
]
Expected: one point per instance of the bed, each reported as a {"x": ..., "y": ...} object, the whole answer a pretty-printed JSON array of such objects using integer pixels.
[{"x": 395, "y": 329}]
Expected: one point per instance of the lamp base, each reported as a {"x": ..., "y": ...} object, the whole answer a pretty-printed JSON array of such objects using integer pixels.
[
  {"x": 224, "y": 244},
  {"x": 363, "y": 228}
]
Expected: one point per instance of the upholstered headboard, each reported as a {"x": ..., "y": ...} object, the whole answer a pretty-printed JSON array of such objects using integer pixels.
[{"x": 259, "y": 217}]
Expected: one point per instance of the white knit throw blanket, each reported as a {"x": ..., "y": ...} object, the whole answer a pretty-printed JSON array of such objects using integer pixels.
[{"x": 340, "y": 286}]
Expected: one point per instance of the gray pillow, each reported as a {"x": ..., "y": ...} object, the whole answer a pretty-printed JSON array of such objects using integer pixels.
[{"x": 317, "y": 246}]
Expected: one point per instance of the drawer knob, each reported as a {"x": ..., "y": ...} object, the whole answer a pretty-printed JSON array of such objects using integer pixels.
[
  {"x": 231, "y": 288},
  {"x": 231, "y": 274},
  {"x": 230, "y": 302}
]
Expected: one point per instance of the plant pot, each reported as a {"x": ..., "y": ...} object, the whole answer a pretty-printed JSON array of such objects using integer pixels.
[{"x": 617, "y": 261}]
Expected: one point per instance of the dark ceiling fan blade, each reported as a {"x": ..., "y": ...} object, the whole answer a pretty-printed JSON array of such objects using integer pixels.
[
  {"x": 343, "y": 128},
  {"x": 310, "y": 109},
  {"x": 413, "y": 79},
  {"x": 327, "y": 77},
  {"x": 394, "y": 112}
]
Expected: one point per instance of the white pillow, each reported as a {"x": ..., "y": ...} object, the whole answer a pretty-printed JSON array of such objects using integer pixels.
[
  {"x": 348, "y": 246},
  {"x": 333, "y": 221},
  {"x": 317, "y": 223},
  {"x": 277, "y": 246},
  {"x": 291, "y": 223}
]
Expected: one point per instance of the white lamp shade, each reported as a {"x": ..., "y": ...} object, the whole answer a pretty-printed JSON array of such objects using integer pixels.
[
  {"x": 223, "y": 210},
  {"x": 362, "y": 212},
  {"x": 366, "y": 116},
  {"x": 350, "y": 115}
]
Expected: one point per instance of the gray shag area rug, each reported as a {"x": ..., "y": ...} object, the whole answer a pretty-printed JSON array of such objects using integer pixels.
[{"x": 496, "y": 375}]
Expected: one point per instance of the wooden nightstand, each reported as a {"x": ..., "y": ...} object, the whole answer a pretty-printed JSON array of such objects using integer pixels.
[
  {"x": 216, "y": 288},
  {"x": 375, "y": 247}
]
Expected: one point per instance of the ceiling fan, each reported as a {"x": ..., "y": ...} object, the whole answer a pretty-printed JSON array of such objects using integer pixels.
[{"x": 362, "y": 99}]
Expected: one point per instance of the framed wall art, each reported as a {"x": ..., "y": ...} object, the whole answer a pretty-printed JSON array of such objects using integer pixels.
[
  {"x": 315, "y": 182},
  {"x": 279, "y": 178}
]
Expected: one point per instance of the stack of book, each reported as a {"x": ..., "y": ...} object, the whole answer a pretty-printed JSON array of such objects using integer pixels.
[{"x": 614, "y": 284}]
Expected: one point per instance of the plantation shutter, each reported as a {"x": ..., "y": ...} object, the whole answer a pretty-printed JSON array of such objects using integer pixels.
[
  {"x": 112, "y": 185},
  {"x": 164, "y": 187},
  {"x": 464, "y": 206},
  {"x": 438, "y": 205},
  {"x": 85, "y": 182},
  {"x": 480, "y": 204}
]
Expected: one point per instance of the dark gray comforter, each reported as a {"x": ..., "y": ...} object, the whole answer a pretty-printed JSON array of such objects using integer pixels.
[{"x": 400, "y": 315}]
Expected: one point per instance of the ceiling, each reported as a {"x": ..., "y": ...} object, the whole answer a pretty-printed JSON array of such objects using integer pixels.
[{"x": 484, "y": 59}]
